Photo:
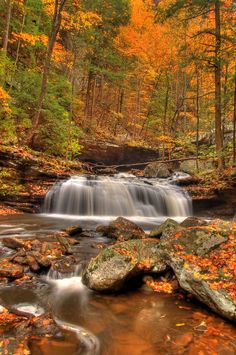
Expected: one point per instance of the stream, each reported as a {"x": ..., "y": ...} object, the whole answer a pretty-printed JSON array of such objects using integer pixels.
[{"x": 136, "y": 322}]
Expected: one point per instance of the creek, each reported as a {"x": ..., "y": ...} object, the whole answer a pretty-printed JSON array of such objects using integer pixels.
[{"x": 136, "y": 322}]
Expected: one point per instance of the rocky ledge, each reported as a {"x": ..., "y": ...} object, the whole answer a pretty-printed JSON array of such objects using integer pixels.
[{"x": 201, "y": 255}]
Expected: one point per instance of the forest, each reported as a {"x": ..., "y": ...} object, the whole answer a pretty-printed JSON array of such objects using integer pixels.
[
  {"x": 117, "y": 177},
  {"x": 159, "y": 74}
]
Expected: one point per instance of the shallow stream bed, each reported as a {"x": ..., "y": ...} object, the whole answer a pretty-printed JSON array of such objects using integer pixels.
[{"x": 134, "y": 322}]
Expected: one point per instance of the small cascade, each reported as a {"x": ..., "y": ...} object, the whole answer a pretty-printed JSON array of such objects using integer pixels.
[
  {"x": 117, "y": 196},
  {"x": 63, "y": 287}
]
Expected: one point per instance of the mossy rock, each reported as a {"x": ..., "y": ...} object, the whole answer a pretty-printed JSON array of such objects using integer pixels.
[
  {"x": 164, "y": 229},
  {"x": 117, "y": 264}
]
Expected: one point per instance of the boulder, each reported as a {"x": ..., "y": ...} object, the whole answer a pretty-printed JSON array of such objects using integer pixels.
[
  {"x": 203, "y": 260},
  {"x": 157, "y": 170},
  {"x": 190, "y": 167},
  {"x": 122, "y": 229},
  {"x": 13, "y": 243},
  {"x": 115, "y": 265},
  {"x": 74, "y": 230},
  {"x": 10, "y": 270},
  {"x": 193, "y": 222},
  {"x": 164, "y": 229}
]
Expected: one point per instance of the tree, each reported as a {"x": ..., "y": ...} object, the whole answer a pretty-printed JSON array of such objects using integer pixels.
[
  {"x": 56, "y": 23},
  {"x": 7, "y": 25},
  {"x": 213, "y": 11}
]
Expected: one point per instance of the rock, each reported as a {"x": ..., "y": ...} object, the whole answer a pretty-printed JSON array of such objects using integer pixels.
[
  {"x": 10, "y": 270},
  {"x": 189, "y": 180},
  {"x": 13, "y": 243},
  {"x": 103, "y": 229},
  {"x": 203, "y": 260},
  {"x": 193, "y": 222},
  {"x": 34, "y": 266},
  {"x": 107, "y": 171},
  {"x": 65, "y": 265},
  {"x": 122, "y": 229},
  {"x": 190, "y": 167},
  {"x": 42, "y": 260},
  {"x": 74, "y": 230},
  {"x": 65, "y": 243},
  {"x": 45, "y": 325},
  {"x": 115, "y": 265},
  {"x": 164, "y": 229},
  {"x": 157, "y": 170}
]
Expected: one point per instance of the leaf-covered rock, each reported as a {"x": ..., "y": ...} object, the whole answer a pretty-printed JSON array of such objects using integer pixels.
[
  {"x": 164, "y": 229},
  {"x": 203, "y": 259},
  {"x": 122, "y": 229},
  {"x": 115, "y": 265}
]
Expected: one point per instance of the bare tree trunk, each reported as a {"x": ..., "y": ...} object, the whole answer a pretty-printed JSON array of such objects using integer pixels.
[
  {"x": 225, "y": 99},
  {"x": 218, "y": 123},
  {"x": 234, "y": 122},
  {"x": 198, "y": 118},
  {"x": 18, "y": 46},
  {"x": 166, "y": 105},
  {"x": 56, "y": 23},
  {"x": 69, "y": 140},
  {"x": 8, "y": 20},
  {"x": 93, "y": 98}
]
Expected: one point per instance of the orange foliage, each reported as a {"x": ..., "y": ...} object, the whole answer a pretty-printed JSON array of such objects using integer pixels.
[{"x": 4, "y": 101}]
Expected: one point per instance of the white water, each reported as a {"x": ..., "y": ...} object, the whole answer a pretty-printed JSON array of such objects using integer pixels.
[
  {"x": 63, "y": 288},
  {"x": 121, "y": 195}
]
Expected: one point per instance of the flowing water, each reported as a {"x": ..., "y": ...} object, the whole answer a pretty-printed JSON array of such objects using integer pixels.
[
  {"x": 138, "y": 322},
  {"x": 121, "y": 195}
]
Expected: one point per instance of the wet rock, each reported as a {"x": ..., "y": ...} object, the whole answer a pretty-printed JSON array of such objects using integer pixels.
[
  {"x": 36, "y": 244},
  {"x": 115, "y": 265},
  {"x": 74, "y": 230},
  {"x": 107, "y": 171},
  {"x": 193, "y": 222},
  {"x": 189, "y": 180},
  {"x": 41, "y": 259},
  {"x": 122, "y": 229},
  {"x": 34, "y": 266},
  {"x": 164, "y": 229},
  {"x": 13, "y": 243},
  {"x": 102, "y": 229},
  {"x": 23, "y": 324},
  {"x": 66, "y": 244},
  {"x": 202, "y": 259},
  {"x": 65, "y": 265},
  {"x": 10, "y": 270},
  {"x": 157, "y": 170}
]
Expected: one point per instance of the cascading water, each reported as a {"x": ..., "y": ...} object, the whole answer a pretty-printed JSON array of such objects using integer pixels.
[{"x": 117, "y": 196}]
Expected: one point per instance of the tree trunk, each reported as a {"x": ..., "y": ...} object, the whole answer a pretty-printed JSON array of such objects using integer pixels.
[
  {"x": 218, "y": 123},
  {"x": 56, "y": 23},
  {"x": 234, "y": 121},
  {"x": 7, "y": 27},
  {"x": 18, "y": 46},
  {"x": 198, "y": 118},
  {"x": 225, "y": 100},
  {"x": 166, "y": 105}
]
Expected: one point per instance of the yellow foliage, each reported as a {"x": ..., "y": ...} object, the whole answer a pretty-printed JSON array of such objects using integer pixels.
[
  {"x": 30, "y": 39},
  {"x": 4, "y": 101}
]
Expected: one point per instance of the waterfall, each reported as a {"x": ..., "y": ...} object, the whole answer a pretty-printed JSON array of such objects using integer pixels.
[{"x": 117, "y": 196}]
